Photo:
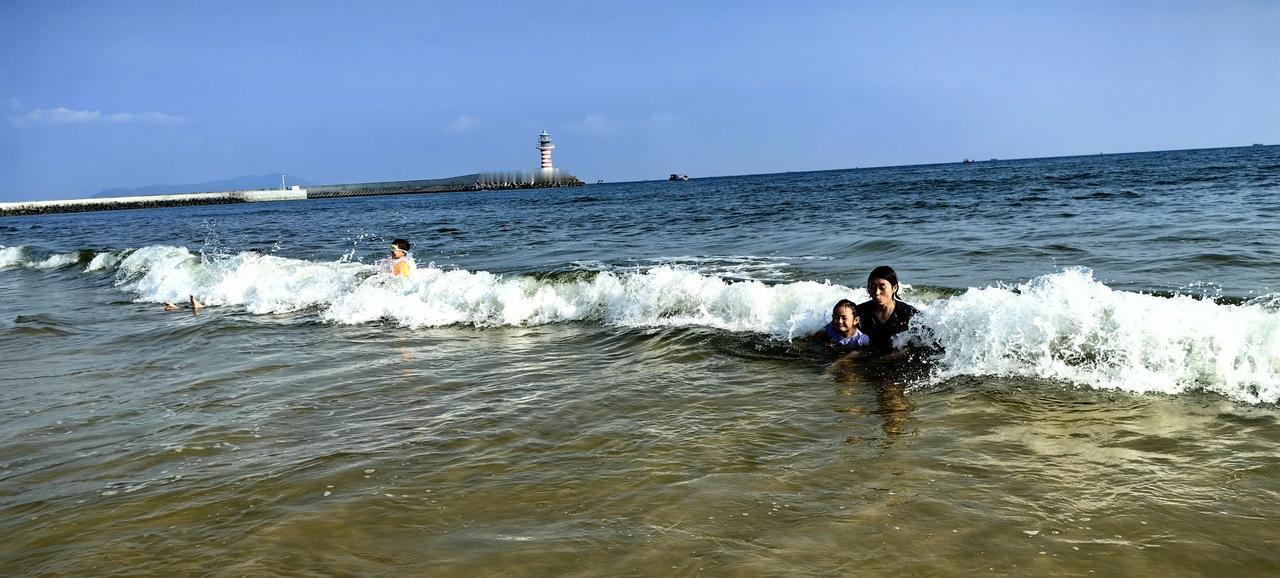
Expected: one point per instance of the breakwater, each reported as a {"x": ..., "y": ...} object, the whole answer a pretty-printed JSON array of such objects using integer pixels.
[
  {"x": 473, "y": 182},
  {"x": 149, "y": 202},
  {"x": 491, "y": 181}
]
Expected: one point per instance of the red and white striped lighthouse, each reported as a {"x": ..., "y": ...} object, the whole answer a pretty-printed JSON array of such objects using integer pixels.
[{"x": 544, "y": 147}]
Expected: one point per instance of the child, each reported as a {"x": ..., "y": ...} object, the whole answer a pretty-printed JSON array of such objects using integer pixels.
[
  {"x": 842, "y": 332},
  {"x": 401, "y": 263}
]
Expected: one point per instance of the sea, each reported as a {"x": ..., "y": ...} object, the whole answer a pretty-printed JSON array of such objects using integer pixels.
[{"x": 615, "y": 379}]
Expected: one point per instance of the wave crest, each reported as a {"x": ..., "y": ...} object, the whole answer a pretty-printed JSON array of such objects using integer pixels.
[
  {"x": 1068, "y": 326},
  {"x": 1064, "y": 326}
]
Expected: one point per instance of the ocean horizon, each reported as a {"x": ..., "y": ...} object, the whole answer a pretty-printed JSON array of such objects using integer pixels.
[{"x": 248, "y": 182}]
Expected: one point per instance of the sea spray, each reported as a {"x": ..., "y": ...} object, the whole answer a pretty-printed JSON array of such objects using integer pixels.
[
  {"x": 351, "y": 293},
  {"x": 104, "y": 261},
  {"x": 12, "y": 256},
  {"x": 1064, "y": 326},
  {"x": 57, "y": 261},
  {"x": 662, "y": 296},
  {"x": 1068, "y": 326},
  {"x": 23, "y": 256},
  {"x": 259, "y": 283}
]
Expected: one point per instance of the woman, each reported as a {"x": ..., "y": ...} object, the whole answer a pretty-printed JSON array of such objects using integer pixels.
[{"x": 884, "y": 315}]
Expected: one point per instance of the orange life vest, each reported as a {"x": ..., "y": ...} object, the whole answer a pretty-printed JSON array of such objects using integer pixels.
[{"x": 400, "y": 267}]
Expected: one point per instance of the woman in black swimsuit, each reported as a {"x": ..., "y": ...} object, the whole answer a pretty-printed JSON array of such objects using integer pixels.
[
  {"x": 884, "y": 315},
  {"x": 880, "y": 319}
]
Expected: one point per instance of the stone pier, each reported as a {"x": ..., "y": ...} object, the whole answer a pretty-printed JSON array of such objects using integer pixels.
[
  {"x": 149, "y": 202},
  {"x": 475, "y": 182}
]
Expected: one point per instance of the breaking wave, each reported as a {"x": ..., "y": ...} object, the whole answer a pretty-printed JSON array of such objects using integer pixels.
[
  {"x": 1063, "y": 326},
  {"x": 1068, "y": 326}
]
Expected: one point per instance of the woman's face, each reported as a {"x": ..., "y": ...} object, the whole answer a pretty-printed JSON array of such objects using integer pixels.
[{"x": 881, "y": 291}]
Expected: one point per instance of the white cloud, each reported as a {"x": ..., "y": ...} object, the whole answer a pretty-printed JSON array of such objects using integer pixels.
[
  {"x": 595, "y": 124},
  {"x": 462, "y": 124},
  {"x": 62, "y": 115}
]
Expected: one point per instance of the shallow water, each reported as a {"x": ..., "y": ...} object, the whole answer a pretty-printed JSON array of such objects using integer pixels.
[{"x": 598, "y": 381}]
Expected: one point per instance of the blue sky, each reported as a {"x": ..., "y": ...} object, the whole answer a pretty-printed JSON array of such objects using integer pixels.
[{"x": 99, "y": 95}]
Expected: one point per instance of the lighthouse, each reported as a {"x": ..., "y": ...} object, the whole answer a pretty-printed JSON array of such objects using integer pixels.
[{"x": 544, "y": 147}]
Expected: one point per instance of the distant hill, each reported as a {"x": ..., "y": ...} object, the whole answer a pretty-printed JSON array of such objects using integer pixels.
[{"x": 241, "y": 183}]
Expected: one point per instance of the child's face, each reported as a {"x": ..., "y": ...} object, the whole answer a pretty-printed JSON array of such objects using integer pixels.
[
  {"x": 396, "y": 253},
  {"x": 844, "y": 320}
]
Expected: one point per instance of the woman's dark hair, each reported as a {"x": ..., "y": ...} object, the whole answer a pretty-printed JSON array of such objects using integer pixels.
[
  {"x": 888, "y": 274},
  {"x": 884, "y": 272},
  {"x": 401, "y": 244},
  {"x": 845, "y": 303}
]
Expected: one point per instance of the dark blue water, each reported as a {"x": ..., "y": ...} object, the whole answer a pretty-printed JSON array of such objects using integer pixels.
[{"x": 1163, "y": 221}]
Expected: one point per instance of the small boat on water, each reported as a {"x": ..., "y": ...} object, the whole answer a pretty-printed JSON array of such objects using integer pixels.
[
  {"x": 967, "y": 162},
  {"x": 678, "y": 177}
]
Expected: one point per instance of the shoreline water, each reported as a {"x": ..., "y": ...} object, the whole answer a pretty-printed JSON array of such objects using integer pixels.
[{"x": 600, "y": 381}]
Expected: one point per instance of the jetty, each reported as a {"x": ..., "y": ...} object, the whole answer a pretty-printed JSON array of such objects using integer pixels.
[
  {"x": 495, "y": 181},
  {"x": 546, "y": 176}
]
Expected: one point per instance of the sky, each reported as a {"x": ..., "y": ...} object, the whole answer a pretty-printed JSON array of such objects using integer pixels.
[{"x": 123, "y": 94}]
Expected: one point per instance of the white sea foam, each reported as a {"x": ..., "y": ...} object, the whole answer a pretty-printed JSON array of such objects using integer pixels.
[
  {"x": 1063, "y": 326},
  {"x": 21, "y": 256},
  {"x": 259, "y": 283},
  {"x": 661, "y": 296},
  {"x": 103, "y": 261},
  {"x": 1071, "y": 327},
  {"x": 1270, "y": 302},
  {"x": 351, "y": 293},
  {"x": 56, "y": 261},
  {"x": 12, "y": 256},
  {"x": 737, "y": 267}
]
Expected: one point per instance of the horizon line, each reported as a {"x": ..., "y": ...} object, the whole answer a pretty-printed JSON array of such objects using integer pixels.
[
  {"x": 722, "y": 176},
  {"x": 934, "y": 164}
]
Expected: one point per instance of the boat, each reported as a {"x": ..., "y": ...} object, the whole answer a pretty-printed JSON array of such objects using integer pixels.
[
  {"x": 967, "y": 162},
  {"x": 678, "y": 177}
]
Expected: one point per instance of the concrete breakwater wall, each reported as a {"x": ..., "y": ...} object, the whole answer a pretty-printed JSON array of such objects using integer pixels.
[
  {"x": 149, "y": 202},
  {"x": 495, "y": 181},
  {"x": 463, "y": 183},
  {"x": 475, "y": 182}
]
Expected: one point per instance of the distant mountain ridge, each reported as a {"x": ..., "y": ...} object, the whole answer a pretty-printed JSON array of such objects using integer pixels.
[{"x": 241, "y": 183}]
